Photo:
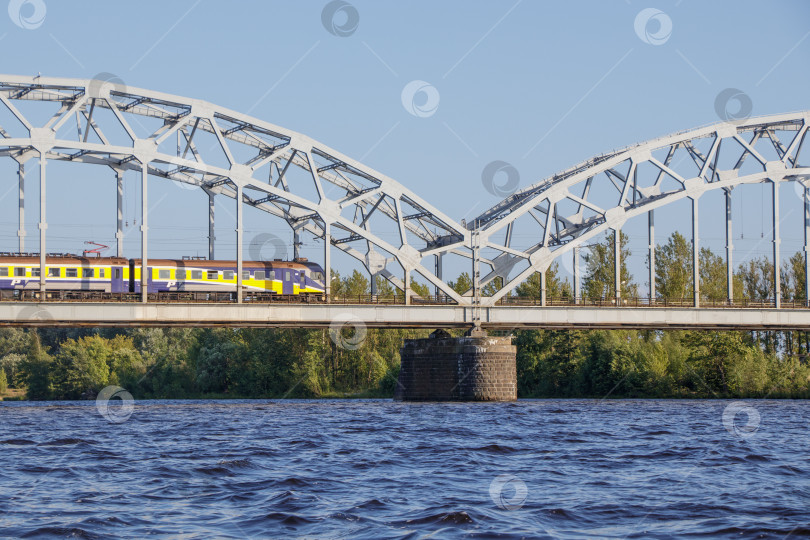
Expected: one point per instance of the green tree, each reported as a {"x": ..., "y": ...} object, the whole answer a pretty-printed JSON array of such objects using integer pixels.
[
  {"x": 673, "y": 269},
  {"x": 555, "y": 287},
  {"x": 3, "y": 382},
  {"x": 599, "y": 282},
  {"x": 81, "y": 366},
  {"x": 462, "y": 284},
  {"x": 36, "y": 370}
]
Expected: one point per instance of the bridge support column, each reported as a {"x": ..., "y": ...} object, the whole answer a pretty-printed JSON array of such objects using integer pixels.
[
  {"x": 617, "y": 265},
  {"x": 443, "y": 368},
  {"x": 542, "y": 288},
  {"x": 729, "y": 250},
  {"x": 407, "y": 286},
  {"x": 211, "y": 235},
  {"x": 695, "y": 253},
  {"x": 806, "y": 246},
  {"x": 577, "y": 286},
  {"x": 777, "y": 278},
  {"x": 651, "y": 246},
  {"x": 119, "y": 229},
  {"x": 438, "y": 261},
  {"x": 43, "y": 226},
  {"x": 296, "y": 245},
  {"x": 144, "y": 229},
  {"x": 21, "y": 228},
  {"x": 239, "y": 240},
  {"x": 327, "y": 262}
]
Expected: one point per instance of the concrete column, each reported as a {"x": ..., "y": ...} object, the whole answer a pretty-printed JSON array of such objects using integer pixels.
[
  {"x": 577, "y": 278},
  {"x": 327, "y": 261},
  {"x": 21, "y": 229},
  {"x": 211, "y": 236},
  {"x": 651, "y": 246},
  {"x": 777, "y": 277},
  {"x": 729, "y": 250},
  {"x": 144, "y": 246},
  {"x": 542, "y": 288},
  {"x": 617, "y": 264},
  {"x": 43, "y": 226},
  {"x": 119, "y": 232},
  {"x": 239, "y": 240},
  {"x": 806, "y": 246},
  {"x": 695, "y": 253}
]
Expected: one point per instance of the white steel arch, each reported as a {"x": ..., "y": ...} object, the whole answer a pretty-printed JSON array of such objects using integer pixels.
[
  {"x": 566, "y": 210},
  {"x": 350, "y": 199}
]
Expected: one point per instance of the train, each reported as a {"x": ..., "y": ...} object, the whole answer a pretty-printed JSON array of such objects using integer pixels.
[{"x": 298, "y": 278}]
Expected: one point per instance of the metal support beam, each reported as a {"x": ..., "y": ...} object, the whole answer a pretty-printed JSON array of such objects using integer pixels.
[
  {"x": 296, "y": 244},
  {"x": 407, "y": 286},
  {"x": 729, "y": 250},
  {"x": 239, "y": 241},
  {"x": 43, "y": 226},
  {"x": 777, "y": 258},
  {"x": 542, "y": 288},
  {"x": 438, "y": 260},
  {"x": 806, "y": 246},
  {"x": 577, "y": 286},
  {"x": 21, "y": 228},
  {"x": 651, "y": 246},
  {"x": 695, "y": 253},
  {"x": 144, "y": 246},
  {"x": 211, "y": 235},
  {"x": 617, "y": 264},
  {"x": 119, "y": 231},
  {"x": 327, "y": 261}
]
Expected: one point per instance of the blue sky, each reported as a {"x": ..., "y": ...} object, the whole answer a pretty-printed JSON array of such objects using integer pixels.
[{"x": 539, "y": 85}]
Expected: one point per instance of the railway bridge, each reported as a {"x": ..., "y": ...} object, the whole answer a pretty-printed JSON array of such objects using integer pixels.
[{"x": 326, "y": 195}]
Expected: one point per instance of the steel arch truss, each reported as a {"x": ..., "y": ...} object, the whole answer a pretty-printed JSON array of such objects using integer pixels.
[
  {"x": 565, "y": 211},
  {"x": 309, "y": 185}
]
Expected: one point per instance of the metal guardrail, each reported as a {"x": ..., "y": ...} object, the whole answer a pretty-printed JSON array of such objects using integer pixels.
[{"x": 365, "y": 299}]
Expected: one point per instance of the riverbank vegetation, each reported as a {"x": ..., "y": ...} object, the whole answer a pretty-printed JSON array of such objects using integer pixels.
[{"x": 351, "y": 362}]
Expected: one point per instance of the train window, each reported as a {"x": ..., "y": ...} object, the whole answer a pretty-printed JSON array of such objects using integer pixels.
[
  {"x": 53, "y": 272},
  {"x": 287, "y": 275},
  {"x": 196, "y": 274},
  {"x": 181, "y": 274},
  {"x": 303, "y": 279},
  {"x": 245, "y": 274},
  {"x": 35, "y": 272},
  {"x": 271, "y": 275},
  {"x": 102, "y": 272},
  {"x": 164, "y": 274},
  {"x": 213, "y": 274},
  {"x": 227, "y": 274},
  {"x": 19, "y": 272},
  {"x": 317, "y": 276},
  {"x": 71, "y": 272},
  {"x": 4, "y": 272},
  {"x": 87, "y": 272},
  {"x": 258, "y": 274},
  {"x": 117, "y": 273}
]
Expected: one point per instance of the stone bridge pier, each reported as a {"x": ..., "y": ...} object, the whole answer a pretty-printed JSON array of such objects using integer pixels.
[{"x": 474, "y": 367}]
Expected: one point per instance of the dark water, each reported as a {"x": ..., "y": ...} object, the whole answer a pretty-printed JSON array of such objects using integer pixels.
[{"x": 373, "y": 469}]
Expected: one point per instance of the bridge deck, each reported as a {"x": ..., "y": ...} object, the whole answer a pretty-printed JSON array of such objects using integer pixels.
[{"x": 72, "y": 314}]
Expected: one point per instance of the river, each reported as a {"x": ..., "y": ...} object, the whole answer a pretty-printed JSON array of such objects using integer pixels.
[{"x": 380, "y": 469}]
